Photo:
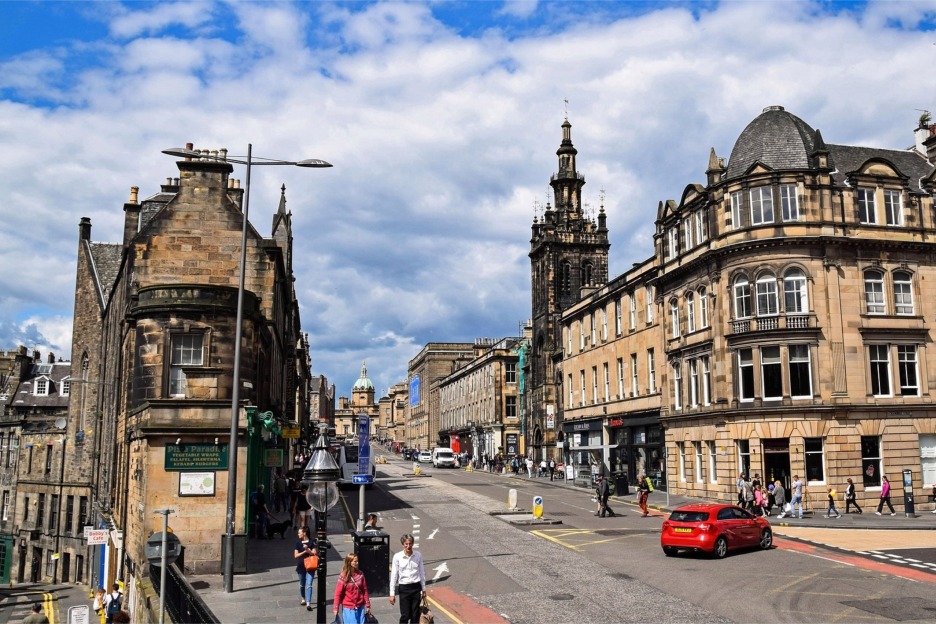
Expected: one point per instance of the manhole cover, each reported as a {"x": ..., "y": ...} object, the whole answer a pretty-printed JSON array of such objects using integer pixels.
[{"x": 561, "y": 597}]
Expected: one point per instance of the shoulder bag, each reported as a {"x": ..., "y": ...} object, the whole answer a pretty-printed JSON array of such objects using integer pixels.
[{"x": 311, "y": 563}]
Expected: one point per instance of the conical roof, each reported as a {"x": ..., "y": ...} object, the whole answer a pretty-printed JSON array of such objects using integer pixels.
[{"x": 776, "y": 138}]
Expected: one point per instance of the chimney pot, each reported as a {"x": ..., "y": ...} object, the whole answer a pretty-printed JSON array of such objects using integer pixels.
[
  {"x": 190, "y": 147},
  {"x": 134, "y": 194}
]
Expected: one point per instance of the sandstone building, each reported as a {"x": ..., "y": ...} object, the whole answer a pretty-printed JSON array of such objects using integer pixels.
[{"x": 782, "y": 325}]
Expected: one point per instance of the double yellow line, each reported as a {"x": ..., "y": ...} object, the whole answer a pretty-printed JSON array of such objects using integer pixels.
[{"x": 48, "y": 606}]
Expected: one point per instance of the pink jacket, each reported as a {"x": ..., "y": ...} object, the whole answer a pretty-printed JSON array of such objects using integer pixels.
[
  {"x": 885, "y": 488},
  {"x": 353, "y": 593}
]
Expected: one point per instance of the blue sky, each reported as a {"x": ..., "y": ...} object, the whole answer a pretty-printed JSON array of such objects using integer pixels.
[{"x": 442, "y": 120}]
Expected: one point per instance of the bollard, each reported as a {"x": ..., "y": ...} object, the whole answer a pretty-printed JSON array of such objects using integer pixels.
[
  {"x": 416, "y": 469},
  {"x": 537, "y": 507},
  {"x": 512, "y": 498}
]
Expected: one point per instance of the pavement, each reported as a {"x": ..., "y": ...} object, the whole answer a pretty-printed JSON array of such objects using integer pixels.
[{"x": 268, "y": 591}]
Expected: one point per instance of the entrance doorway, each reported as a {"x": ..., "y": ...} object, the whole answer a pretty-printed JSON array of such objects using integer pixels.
[{"x": 777, "y": 461}]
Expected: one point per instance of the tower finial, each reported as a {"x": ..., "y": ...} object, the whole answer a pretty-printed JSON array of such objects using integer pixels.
[{"x": 566, "y": 100}]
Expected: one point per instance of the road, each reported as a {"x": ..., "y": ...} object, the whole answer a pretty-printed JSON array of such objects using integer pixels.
[{"x": 612, "y": 569}]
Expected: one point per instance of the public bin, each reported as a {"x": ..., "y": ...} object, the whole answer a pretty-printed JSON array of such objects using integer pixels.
[
  {"x": 621, "y": 487},
  {"x": 239, "y": 546},
  {"x": 373, "y": 551}
]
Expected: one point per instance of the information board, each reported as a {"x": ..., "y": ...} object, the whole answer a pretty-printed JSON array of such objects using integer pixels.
[
  {"x": 364, "y": 444},
  {"x": 196, "y": 457}
]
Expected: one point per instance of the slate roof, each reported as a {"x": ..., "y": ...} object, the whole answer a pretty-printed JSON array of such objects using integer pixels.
[
  {"x": 105, "y": 258},
  {"x": 776, "y": 138},
  {"x": 847, "y": 158},
  {"x": 24, "y": 397}
]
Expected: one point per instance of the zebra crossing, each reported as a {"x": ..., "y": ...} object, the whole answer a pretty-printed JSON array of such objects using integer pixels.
[{"x": 895, "y": 558}]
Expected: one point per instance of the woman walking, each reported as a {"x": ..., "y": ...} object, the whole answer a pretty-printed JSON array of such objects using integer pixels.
[
  {"x": 643, "y": 493},
  {"x": 850, "y": 498},
  {"x": 408, "y": 578},
  {"x": 885, "y": 497},
  {"x": 304, "y": 550},
  {"x": 351, "y": 592}
]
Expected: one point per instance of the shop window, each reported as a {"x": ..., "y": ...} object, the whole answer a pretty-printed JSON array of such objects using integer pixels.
[
  {"x": 871, "y": 461},
  {"x": 815, "y": 460}
]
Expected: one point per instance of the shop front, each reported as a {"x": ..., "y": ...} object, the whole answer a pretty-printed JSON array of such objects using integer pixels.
[
  {"x": 636, "y": 448},
  {"x": 585, "y": 451}
]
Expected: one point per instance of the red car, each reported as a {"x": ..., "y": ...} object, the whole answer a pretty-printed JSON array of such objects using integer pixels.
[{"x": 714, "y": 528}]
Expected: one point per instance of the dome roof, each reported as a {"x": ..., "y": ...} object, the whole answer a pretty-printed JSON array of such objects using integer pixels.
[
  {"x": 363, "y": 383},
  {"x": 775, "y": 138}
]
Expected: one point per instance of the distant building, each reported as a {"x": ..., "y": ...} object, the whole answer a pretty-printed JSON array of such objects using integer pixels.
[
  {"x": 361, "y": 402},
  {"x": 434, "y": 362}
]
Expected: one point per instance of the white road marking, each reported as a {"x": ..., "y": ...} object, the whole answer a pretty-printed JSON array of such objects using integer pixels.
[
  {"x": 440, "y": 570},
  {"x": 433, "y": 534}
]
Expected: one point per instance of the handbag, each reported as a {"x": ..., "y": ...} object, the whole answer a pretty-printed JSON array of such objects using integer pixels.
[
  {"x": 370, "y": 618},
  {"x": 311, "y": 563},
  {"x": 425, "y": 615}
]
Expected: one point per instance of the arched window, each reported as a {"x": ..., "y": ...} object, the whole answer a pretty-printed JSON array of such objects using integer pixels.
[
  {"x": 767, "y": 304},
  {"x": 874, "y": 292},
  {"x": 565, "y": 278},
  {"x": 703, "y": 308},
  {"x": 674, "y": 316},
  {"x": 742, "y": 298},
  {"x": 795, "y": 300},
  {"x": 587, "y": 274},
  {"x": 690, "y": 312},
  {"x": 903, "y": 293}
]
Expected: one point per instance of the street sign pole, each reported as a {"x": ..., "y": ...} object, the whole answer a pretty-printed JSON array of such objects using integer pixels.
[{"x": 364, "y": 467}]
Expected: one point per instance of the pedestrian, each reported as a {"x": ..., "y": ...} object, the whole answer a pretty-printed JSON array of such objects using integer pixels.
[
  {"x": 850, "y": 498},
  {"x": 603, "y": 493},
  {"x": 756, "y": 480},
  {"x": 121, "y": 617},
  {"x": 529, "y": 467},
  {"x": 98, "y": 604},
  {"x": 779, "y": 495},
  {"x": 885, "y": 497},
  {"x": 113, "y": 603},
  {"x": 552, "y": 469},
  {"x": 280, "y": 493},
  {"x": 371, "y": 524},
  {"x": 351, "y": 592},
  {"x": 643, "y": 494},
  {"x": 760, "y": 503},
  {"x": 408, "y": 578},
  {"x": 542, "y": 467},
  {"x": 747, "y": 491},
  {"x": 261, "y": 513},
  {"x": 302, "y": 510},
  {"x": 740, "y": 485},
  {"x": 797, "y": 498},
  {"x": 831, "y": 511},
  {"x": 304, "y": 549},
  {"x": 37, "y": 616},
  {"x": 771, "y": 501}
]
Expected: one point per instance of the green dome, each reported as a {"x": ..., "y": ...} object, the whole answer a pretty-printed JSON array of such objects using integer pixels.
[{"x": 363, "y": 383}]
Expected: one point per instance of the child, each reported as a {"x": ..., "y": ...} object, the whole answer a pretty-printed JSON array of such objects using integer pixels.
[{"x": 832, "y": 512}]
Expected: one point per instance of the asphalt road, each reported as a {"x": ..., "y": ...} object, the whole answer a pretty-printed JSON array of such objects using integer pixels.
[{"x": 612, "y": 569}]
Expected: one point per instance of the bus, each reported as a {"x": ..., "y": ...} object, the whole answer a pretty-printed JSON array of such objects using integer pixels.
[{"x": 346, "y": 456}]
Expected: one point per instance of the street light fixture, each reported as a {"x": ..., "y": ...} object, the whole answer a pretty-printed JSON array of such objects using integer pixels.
[
  {"x": 321, "y": 475},
  {"x": 227, "y": 554}
]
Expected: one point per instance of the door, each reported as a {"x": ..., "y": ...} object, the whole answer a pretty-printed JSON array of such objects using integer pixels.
[
  {"x": 6, "y": 556},
  {"x": 777, "y": 461}
]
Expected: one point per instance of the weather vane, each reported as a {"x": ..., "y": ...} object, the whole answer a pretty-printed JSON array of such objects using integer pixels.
[{"x": 566, "y": 100}]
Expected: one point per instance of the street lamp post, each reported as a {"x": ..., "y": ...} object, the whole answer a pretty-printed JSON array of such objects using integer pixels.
[
  {"x": 227, "y": 554},
  {"x": 321, "y": 475}
]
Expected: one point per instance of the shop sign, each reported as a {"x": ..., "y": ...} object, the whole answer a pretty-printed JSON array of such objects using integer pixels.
[
  {"x": 291, "y": 433},
  {"x": 196, "y": 457},
  {"x": 617, "y": 421},
  {"x": 273, "y": 458}
]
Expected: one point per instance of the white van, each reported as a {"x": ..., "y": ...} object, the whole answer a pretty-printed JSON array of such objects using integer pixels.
[{"x": 443, "y": 458}]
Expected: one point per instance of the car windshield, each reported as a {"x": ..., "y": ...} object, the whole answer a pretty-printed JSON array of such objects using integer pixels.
[
  {"x": 689, "y": 516},
  {"x": 444, "y": 454}
]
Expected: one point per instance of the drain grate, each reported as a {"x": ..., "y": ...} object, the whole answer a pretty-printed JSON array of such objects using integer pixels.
[{"x": 904, "y": 610}]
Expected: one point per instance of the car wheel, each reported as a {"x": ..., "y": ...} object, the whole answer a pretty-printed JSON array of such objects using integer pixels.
[
  {"x": 766, "y": 539},
  {"x": 721, "y": 548},
  {"x": 669, "y": 551}
]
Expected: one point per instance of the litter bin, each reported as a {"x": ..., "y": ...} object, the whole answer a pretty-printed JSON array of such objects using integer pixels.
[
  {"x": 373, "y": 551},
  {"x": 621, "y": 487},
  {"x": 239, "y": 546}
]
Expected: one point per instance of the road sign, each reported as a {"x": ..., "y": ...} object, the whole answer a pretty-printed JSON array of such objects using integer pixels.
[
  {"x": 364, "y": 458},
  {"x": 362, "y": 479},
  {"x": 80, "y": 614},
  {"x": 97, "y": 537}
]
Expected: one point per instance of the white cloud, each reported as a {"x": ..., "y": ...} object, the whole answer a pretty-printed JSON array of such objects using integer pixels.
[{"x": 441, "y": 142}]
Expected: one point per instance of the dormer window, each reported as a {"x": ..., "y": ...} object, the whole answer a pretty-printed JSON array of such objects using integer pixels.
[
  {"x": 41, "y": 387},
  {"x": 66, "y": 387},
  {"x": 867, "y": 208},
  {"x": 893, "y": 208}
]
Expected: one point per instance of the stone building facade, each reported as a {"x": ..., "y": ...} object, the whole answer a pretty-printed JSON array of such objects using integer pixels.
[
  {"x": 393, "y": 409},
  {"x": 479, "y": 403},
  {"x": 434, "y": 362},
  {"x": 361, "y": 402},
  {"x": 792, "y": 292},
  {"x": 155, "y": 315}
]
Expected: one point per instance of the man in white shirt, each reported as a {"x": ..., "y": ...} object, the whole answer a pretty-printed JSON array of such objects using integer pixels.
[{"x": 409, "y": 577}]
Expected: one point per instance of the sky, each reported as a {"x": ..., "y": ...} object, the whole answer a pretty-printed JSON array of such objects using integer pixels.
[{"x": 442, "y": 120}]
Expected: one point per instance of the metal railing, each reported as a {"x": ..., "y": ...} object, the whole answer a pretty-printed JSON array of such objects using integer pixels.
[{"x": 183, "y": 604}]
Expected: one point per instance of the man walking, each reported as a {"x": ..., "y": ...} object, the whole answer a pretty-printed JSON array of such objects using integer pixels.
[
  {"x": 552, "y": 468},
  {"x": 797, "y": 497},
  {"x": 604, "y": 492}
]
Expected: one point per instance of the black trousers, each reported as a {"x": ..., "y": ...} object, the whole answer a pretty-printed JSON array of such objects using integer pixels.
[
  {"x": 851, "y": 502},
  {"x": 410, "y": 595},
  {"x": 885, "y": 499}
]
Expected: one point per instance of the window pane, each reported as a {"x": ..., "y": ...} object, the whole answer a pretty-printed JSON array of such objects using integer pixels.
[
  {"x": 867, "y": 210},
  {"x": 767, "y": 296},
  {"x": 880, "y": 373},
  {"x": 874, "y": 292},
  {"x": 794, "y": 292},
  {"x": 742, "y": 298},
  {"x": 746, "y": 381},
  {"x": 772, "y": 377},
  {"x": 903, "y": 293},
  {"x": 788, "y": 202},
  {"x": 871, "y": 461},
  {"x": 907, "y": 362},
  {"x": 892, "y": 208},
  {"x": 800, "y": 371},
  {"x": 814, "y": 461}
]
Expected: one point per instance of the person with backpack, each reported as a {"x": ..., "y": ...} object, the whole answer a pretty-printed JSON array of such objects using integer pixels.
[
  {"x": 643, "y": 494},
  {"x": 113, "y": 603}
]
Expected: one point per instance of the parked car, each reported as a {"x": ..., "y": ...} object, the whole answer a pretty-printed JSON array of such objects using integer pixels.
[
  {"x": 425, "y": 457},
  {"x": 714, "y": 528}
]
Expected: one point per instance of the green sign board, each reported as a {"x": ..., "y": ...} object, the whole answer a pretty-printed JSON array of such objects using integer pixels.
[{"x": 196, "y": 457}]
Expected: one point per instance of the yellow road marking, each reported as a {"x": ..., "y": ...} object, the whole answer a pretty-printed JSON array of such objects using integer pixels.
[
  {"x": 49, "y": 607},
  {"x": 565, "y": 537},
  {"x": 793, "y": 583},
  {"x": 443, "y": 610}
]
